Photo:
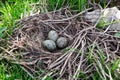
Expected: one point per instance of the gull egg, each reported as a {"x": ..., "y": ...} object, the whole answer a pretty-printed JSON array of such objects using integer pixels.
[
  {"x": 49, "y": 45},
  {"x": 53, "y": 35},
  {"x": 62, "y": 42}
]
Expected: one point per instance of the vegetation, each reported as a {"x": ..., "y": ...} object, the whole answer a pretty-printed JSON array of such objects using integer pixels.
[
  {"x": 13, "y": 10},
  {"x": 10, "y": 71},
  {"x": 10, "y": 13},
  {"x": 74, "y": 4}
]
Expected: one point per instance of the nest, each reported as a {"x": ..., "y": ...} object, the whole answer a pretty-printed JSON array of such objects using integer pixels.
[{"x": 85, "y": 44}]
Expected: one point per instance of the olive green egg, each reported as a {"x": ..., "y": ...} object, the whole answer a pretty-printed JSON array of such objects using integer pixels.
[
  {"x": 49, "y": 45},
  {"x": 53, "y": 35},
  {"x": 62, "y": 42}
]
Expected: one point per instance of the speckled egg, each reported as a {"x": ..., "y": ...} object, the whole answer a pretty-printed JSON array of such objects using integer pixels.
[
  {"x": 49, "y": 45},
  {"x": 62, "y": 42},
  {"x": 53, "y": 35}
]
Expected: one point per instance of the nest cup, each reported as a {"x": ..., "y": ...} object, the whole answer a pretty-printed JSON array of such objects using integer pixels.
[
  {"x": 63, "y": 64},
  {"x": 35, "y": 30}
]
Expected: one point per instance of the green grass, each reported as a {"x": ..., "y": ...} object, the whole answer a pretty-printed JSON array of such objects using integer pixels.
[
  {"x": 103, "y": 68},
  {"x": 13, "y": 10},
  {"x": 74, "y": 4},
  {"x": 98, "y": 60},
  {"x": 10, "y": 71},
  {"x": 10, "y": 12}
]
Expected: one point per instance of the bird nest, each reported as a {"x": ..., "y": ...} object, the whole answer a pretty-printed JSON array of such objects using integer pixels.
[{"x": 81, "y": 56}]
